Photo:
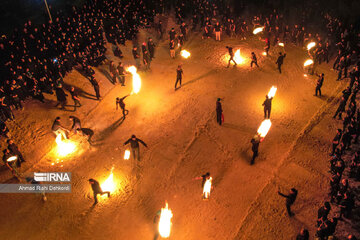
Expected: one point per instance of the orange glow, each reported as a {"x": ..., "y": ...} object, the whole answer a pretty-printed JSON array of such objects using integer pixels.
[
  {"x": 308, "y": 62},
  {"x": 257, "y": 30},
  {"x": 207, "y": 188},
  {"x": 185, "y": 54},
  {"x": 136, "y": 80},
  {"x": 165, "y": 221},
  {"x": 264, "y": 128},
  {"x": 272, "y": 92},
  {"x": 64, "y": 147}
]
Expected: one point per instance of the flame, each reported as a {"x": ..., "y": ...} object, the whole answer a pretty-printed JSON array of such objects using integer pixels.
[
  {"x": 310, "y": 45},
  {"x": 136, "y": 79},
  {"x": 185, "y": 54},
  {"x": 257, "y": 30},
  {"x": 308, "y": 62},
  {"x": 207, "y": 188},
  {"x": 272, "y": 92},
  {"x": 264, "y": 128},
  {"x": 264, "y": 53},
  {"x": 238, "y": 58},
  {"x": 109, "y": 184},
  {"x": 64, "y": 147},
  {"x": 165, "y": 221},
  {"x": 12, "y": 159},
  {"x": 305, "y": 75},
  {"x": 281, "y": 44},
  {"x": 127, "y": 155}
]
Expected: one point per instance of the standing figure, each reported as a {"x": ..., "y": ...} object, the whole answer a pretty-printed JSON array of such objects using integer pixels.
[
  {"x": 319, "y": 84},
  {"x": 267, "y": 106},
  {"x": 255, "y": 141},
  {"x": 179, "y": 74},
  {"x": 290, "y": 199},
  {"x": 97, "y": 189},
  {"x": 253, "y": 60},
  {"x": 231, "y": 53},
  {"x": 122, "y": 73},
  {"x": 136, "y": 57},
  {"x": 61, "y": 96},
  {"x": 75, "y": 98},
  {"x": 217, "y": 30},
  {"x": 151, "y": 48},
  {"x": 76, "y": 124},
  {"x": 280, "y": 60},
  {"x": 172, "y": 48},
  {"x": 134, "y": 144},
  {"x": 219, "y": 112},
  {"x": 121, "y": 104}
]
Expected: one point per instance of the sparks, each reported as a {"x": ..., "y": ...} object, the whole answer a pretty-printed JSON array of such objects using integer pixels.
[
  {"x": 308, "y": 62},
  {"x": 272, "y": 92},
  {"x": 185, "y": 54},
  {"x": 136, "y": 80},
  {"x": 264, "y": 128},
  {"x": 64, "y": 147},
  {"x": 109, "y": 184},
  {"x": 257, "y": 30},
  {"x": 127, "y": 155},
  {"x": 165, "y": 221},
  {"x": 310, "y": 45},
  {"x": 207, "y": 188}
]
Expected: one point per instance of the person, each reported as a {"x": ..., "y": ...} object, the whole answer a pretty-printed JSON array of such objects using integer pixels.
[
  {"x": 204, "y": 178},
  {"x": 96, "y": 88},
  {"x": 122, "y": 73},
  {"x": 121, "y": 104},
  {"x": 14, "y": 149},
  {"x": 136, "y": 57},
  {"x": 75, "y": 97},
  {"x": 156, "y": 224},
  {"x": 151, "y": 48},
  {"x": 324, "y": 211},
  {"x": 58, "y": 129},
  {"x": 253, "y": 60},
  {"x": 341, "y": 108},
  {"x": 303, "y": 235},
  {"x": 336, "y": 141},
  {"x": 290, "y": 199},
  {"x": 61, "y": 96},
  {"x": 280, "y": 60},
  {"x": 183, "y": 30},
  {"x": 219, "y": 112},
  {"x": 160, "y": 29},
  {"x": 231, "y": 53},
  {"x": 217, "y": 30},
  {"x": 76, "y": 124},
  {"x": 146, "y": 59},
  {"x": 255, "y": 141},
  {"x": 172, "y": 34},
  {"x": 179, "y": 74},
  {"x": 267, "y": 46},
  {"x": 134, "y": 145},
  {"x": 112, "y": 70},
  {"x": 97, "y": 189},
  {"x": 172, "y": 48},
  {"x": 267, "y": 107},
  {"x": 12, "y": 163},
  {"x": 86, "y": 132},
  {"x": 319, "y": 84}
]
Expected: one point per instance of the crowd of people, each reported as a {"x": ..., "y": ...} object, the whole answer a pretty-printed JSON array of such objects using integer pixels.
[{"x": 37, "y": 58}]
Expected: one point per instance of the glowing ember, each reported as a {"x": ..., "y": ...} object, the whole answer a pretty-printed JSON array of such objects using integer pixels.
[
  {"x": 64, "y": 146},
  {"x": 305, "y": 75},
  {"x": 257, "y": 30},
  {"x": 272, "y": 92},
  {"x": 207, "y": 188},
  {"x": 12, "y": 159},
  {"x": 165, "y": 222},
  {"x": 264, "y": 53},
  {"x": 238, "y": 58},
  {"x": 308, "y": 62},
  {"x": 109, "y": 184},
  {"x": 136, "y": 79},
  {"x": 127, "y": 155},
  {"x": 264, "y": 128},
  {"x": 185, "y": 54},
  {"x": 311, "y": 45},
  {"x": 281, "y": 44}
]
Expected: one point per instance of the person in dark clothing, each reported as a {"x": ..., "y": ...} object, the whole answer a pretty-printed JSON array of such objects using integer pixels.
[
  {"x": 172, "y": 34},
  {"x": 120, "y": 103},
  {"x": 336, "y": 141},
  {"x": 86, "y": 132},
  {"x": 134, "y": 144},
  {"x": 346, "y": 205},
  {"x": 319, "y": 84},
  {"x": 290, "y": 199},
  {"x": 96, "y": 88},
  {"x": 122, "y": 73},
  {"x": 61, "y": 96},
  {"x": 97, "y": 189},
  {"x": 179, "y": 74},
  {"x": 76, "y": 124},
  {"x": 151, "y": 48},
  {"x": 303, "y": 235},
  {"x": 219, "y": 112},
  {"x": 280, "y": 60},
  {"x": 75, "y": 97},
  {"x": 255, "y": 141},
  {"x": 253, "y": 60},
  {"x": 324, "y": 211},
  {"x": 136, "y": 57},
  {"x": 14, "y": 149},
  {"x": 231, "y": 53},
  {"x": 267, "y": 106},
  {"x": 341, "y": 108}
]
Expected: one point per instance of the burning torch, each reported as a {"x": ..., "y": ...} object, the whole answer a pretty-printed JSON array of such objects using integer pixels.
[
  {"x": 257, "y": 30},
  {"x": 165, "y": 221}
]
